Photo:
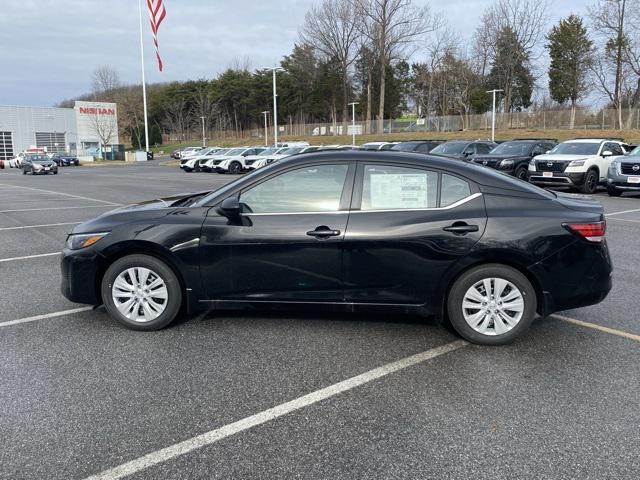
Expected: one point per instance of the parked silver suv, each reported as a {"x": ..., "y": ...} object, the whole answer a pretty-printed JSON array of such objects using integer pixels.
[{"x": 624, "y": 174}]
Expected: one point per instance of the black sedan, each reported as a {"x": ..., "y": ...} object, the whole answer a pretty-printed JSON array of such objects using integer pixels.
[
  {"x": 65, "y": 160},
  {"x": 37, "y": 164},
  {"x": 463, "y": 149},
  {"x": 349, "y": 230},
  {"x": 513, "y": 157}
]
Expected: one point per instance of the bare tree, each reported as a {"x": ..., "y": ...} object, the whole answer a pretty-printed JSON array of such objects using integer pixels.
[
  {"x": 393, "y": 27},
  {"x": 102, "y": 126},
  {"x": 331, "y": 28},
  {"x": 176, "y": 117},
  {"x": 526, "y": 18},
  {"x": 104, "y": 81}
]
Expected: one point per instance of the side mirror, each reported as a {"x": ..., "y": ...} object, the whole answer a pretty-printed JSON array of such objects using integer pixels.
[
  {"x": 607, "y": 153},
  {"x": 230, "y": 207}
]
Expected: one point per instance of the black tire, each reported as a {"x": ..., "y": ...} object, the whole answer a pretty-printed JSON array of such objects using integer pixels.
[
  {"x": 55, "y": 172},
  {"x": 235, "y": 168},
  {"x": 24, "y": 172},
  {"x": 521, "y": 173},
  {"x": 590, "y": 182},
  {"x": 613, "y": 191},
  {"x": 473, "y": 276},
  {"x": 174, "y": 297}
]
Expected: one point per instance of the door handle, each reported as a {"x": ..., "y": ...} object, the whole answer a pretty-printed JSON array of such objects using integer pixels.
[
  {"x": 323, "y": 232},
  {"x": 461, "y": 228}
]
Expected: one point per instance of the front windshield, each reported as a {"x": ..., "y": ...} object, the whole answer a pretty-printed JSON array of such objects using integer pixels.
[
  {"x": 635, "y": 152},
  {"x": 450, "y": 148},
  {"x": 269, "y": 151},
  {"x": 576, "y": 148},
  {"x": 38, "y": 158},
  {"x": 235, "y": 151},
  {"x": 512, "y": 148},
  {"x": 291, "y": 151}
]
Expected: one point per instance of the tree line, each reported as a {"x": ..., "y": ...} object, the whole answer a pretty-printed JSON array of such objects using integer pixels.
[{"x": 364, "y": 51}]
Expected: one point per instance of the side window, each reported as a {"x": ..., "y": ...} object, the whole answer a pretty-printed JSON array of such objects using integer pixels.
[
  {"x": 470, "y": 150},
  {"x": 538, "y": 149},
  {"x": 616, "y": 149},
  {"x": 483, "y": 148},
  {"x": 453, "y": 190},
  {"x": 398, "y": 188},
  {"x": 425, "y": 147},
  {"x": 310, "y": 189}
]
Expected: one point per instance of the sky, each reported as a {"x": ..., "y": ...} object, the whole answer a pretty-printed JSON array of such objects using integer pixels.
[{"x": 51, "y": 47}]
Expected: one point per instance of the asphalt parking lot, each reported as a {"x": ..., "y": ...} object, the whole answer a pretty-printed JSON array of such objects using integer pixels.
[{"x": 366, "y": 396}]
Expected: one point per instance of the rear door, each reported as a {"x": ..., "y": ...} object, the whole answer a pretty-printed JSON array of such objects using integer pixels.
[{"x": 408, "y": 225}]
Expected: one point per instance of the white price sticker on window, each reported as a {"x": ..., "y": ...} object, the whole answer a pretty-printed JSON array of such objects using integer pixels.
[{"x": 398, "y": 191}]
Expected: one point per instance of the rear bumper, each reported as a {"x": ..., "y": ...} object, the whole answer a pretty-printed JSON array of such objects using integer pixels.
[
  {"x": 577, "y": 276},
  {"x": 559, "y": 179}
]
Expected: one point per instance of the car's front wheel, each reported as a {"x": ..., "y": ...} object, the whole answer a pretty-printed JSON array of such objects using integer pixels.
[
  {"x": 613, "y": 191},
  {"x": 590, "y": 182},
  {"x": 491, "y": 304},
  {"x": 235, "y": 167},
  {"x": 141, "y": 292},
  {"x": 521, "y": 173}
]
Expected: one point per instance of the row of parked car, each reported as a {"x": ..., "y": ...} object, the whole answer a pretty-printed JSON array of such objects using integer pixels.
[{"x": 581, "y": 164}]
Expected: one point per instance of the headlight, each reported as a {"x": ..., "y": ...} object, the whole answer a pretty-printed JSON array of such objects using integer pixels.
[
  {"x": 613, "y": 166},
  {"x": 532, "y": 166},
  {"x": 506, "y": 163},
  {"x": 576, "y": 163},
  {"x": 83, "y": 240}
]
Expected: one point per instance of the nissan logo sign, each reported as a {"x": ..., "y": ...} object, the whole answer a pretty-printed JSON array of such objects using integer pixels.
[
  {"x": 487, "y": 163},
  {"x": 549, "y": 164},
  {"x": 635, "y": 168}
]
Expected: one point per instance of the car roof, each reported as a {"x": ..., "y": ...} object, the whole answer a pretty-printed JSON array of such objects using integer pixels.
[{"x": 593, "y": 140}]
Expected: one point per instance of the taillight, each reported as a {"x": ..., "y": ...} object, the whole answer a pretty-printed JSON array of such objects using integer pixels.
[{"x": 593, "y": 232}]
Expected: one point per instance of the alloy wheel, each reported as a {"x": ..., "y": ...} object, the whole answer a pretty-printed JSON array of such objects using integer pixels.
[
  {"x": 493, "y": 306},
  {"x": 140, "y": 294}
]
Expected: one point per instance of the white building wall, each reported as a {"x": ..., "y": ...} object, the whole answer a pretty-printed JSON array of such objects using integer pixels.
[{"x": 90, "y": 114}]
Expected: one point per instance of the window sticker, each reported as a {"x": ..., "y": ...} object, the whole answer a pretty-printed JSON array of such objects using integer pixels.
[{"x": 399, "y": 191}]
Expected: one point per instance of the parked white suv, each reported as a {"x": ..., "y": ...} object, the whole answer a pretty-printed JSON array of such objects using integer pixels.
[{"x": 581, "y": 164}]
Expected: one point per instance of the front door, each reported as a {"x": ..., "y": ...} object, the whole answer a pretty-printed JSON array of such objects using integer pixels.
[
  {"x": 287, "y": 243},
  {"x": 407, "y": 227}
]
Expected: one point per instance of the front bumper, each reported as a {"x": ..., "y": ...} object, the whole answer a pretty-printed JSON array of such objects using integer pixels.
[
  {"x": 79, "y": 269},
  {"x": 621, "y": 182},
  {"x": 559, "y": 179}
]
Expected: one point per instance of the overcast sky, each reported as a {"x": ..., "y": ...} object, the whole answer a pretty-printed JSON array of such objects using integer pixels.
[{"x": 51, "y": 47}]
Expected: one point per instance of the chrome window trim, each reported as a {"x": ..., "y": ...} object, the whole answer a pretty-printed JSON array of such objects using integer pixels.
[{"x": 462, "y": 201}]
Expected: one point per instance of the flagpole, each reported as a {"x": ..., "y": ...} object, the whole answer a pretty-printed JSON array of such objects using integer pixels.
[{"x": 144, "y": 86}]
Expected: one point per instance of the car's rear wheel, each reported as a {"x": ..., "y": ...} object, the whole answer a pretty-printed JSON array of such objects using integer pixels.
[
  {"x": 590, "y": 182},
  {"x": 613, "y": 191},
  {"x": 141, "y": 292},
  {"x": 235, "y": 167},
  {"x": 491, "y": 304},
  {"x": 521, "y": 173}
]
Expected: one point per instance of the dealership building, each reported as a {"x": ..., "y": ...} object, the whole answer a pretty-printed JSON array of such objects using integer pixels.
[{"x": 70, "y": 130}]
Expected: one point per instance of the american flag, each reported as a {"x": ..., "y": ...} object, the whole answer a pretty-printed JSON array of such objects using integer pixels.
[{"x": 156, "y": 15}]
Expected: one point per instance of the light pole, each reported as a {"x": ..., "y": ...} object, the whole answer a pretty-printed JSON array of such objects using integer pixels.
[
  {"x": 493, "y": 113},
  {"x": 204, "y": 141},
  {"x": 353, "y": 122},
  {"x": 275, "y": 105},
  {"x": 266, "y": 131}
]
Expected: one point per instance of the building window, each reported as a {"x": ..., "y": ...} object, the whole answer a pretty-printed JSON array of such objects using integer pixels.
[
  {"x": 52, "y": 141},
  {"x": 6, "y": 145}
]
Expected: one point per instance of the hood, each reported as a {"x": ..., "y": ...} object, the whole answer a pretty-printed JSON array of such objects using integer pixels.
[
  {"x": 497, "y": 157},
  {"x": 158, "y": 203},
  {"x": 559, "y": 157},
  {"x": 45, "y": 163}
]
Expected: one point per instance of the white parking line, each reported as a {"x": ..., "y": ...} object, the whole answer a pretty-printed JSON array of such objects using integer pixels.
[
  {"x": 55, "y": 208},
  {"x": 44, "y": 317},
  {"x": 626, "y": 220},
  {"x": 602, "y": 328},
  {"x": 213, "y": 436},
  {"x": 38, "y": 226},
  {"x": 26, "y": 257},
  {"x": 620, "y": 213},
  {"x": 59, "y": 193}
]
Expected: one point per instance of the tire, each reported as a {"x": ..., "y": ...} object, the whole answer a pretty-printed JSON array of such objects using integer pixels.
[
  {"x": 521, "y": 173},
  {"x": 119, "y": 271},
  {"x": 590, "y": 182},
  {"x": 55, "y": 173},
  {"x": 235, "y": 168},
  {"x": 613, "y": 191},
  {"x": 24, "y": 172},
  {"x": 485, "y": 330}
]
